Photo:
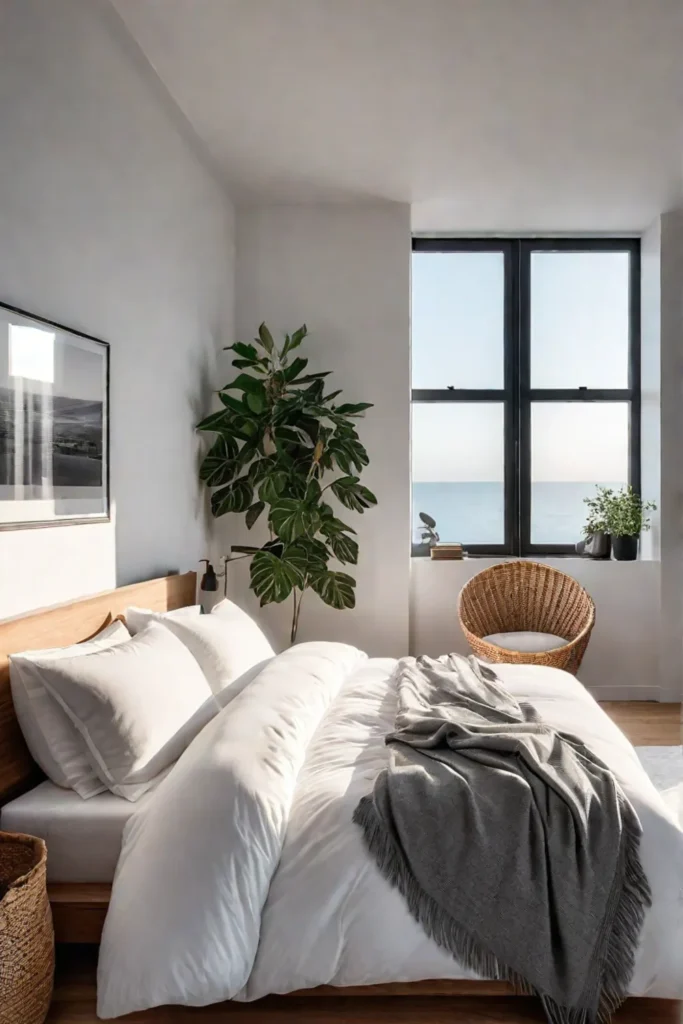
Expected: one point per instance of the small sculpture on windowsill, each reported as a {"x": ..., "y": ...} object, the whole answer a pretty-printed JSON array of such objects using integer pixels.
[{"x": 428, "y": 535}]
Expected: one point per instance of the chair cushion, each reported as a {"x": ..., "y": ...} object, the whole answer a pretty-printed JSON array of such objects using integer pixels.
[{"x": 526, "y": 642}]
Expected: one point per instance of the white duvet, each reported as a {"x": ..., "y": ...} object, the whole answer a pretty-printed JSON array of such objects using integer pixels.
[{"x": 244, "y": 874}]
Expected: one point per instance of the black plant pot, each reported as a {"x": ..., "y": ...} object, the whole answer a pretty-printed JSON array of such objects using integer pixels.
[{"x": 625, "y": 548}]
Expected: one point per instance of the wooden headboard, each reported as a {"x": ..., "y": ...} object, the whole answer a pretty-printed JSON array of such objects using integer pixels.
[{"x": 58, "y": 627}]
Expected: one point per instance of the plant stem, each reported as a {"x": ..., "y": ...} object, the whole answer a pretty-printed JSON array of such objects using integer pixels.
[{"x": 295, "y": 615}]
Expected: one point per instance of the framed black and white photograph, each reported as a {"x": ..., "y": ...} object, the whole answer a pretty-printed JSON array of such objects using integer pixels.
[{"x": 54, "y": 420}]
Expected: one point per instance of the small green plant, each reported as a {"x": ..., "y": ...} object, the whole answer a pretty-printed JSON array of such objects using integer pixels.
[
  {"x": 620, "y": 513},
  {"x": 277, "y": 436},
  {"x": 596, "y": 517},
  {"x": 428, "y": 534}
]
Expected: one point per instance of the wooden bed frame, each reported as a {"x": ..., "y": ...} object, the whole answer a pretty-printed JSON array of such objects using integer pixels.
[{"x": 79, "y": 909}]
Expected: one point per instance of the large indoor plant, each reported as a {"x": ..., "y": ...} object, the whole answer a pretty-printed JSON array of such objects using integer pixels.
[{"x": 282, "y": 447}]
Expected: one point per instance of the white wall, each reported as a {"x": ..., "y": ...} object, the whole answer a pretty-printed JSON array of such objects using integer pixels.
[
  {"x": 621, "y": 662},
  {"x": 651, "y": 382},
  {"x": 671, "y": 516},
  {"x": 111, "y": 224},
  {"x": 345, "y": 271}
]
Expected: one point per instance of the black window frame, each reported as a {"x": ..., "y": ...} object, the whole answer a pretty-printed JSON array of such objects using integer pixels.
[{"x": 517, "y": 395}]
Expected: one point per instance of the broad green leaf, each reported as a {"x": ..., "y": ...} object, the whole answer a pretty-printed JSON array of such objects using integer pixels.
[
  {"x": 246, "y": 351},
  {"x": 312, "y": 491},
  {"x": 336, "y": 589},
  {"x": 272, "y": 579},
  {"x": 291, "y": 518},
  {"x": 314, "y": 392},
  {"x": 243, "y": 364},
  {"x": 218, "y": 471},
  {"x": 247, "y": 423},
  {"x": 243, "y": 382},
  {"x": 356, "y": 409},
  {"x": 312, "y": 428},
  {"x": 230, "y": 402},
  {"x": 215, "y": 421},
  {"x": 296, "y": 484},
  {"x": 309, "y": 557},
  {"x": 344, "y": 548},
  {"x": 273, "y": 486},
  {"x": 296, "y": 367},
  {"x": 260, "y": 469},
  {"x": 332, "y": 395},
  {"x": 291, "y": 435},
  {"x": 297, "y": 337},
  {"x": 253, "y": 512},
  {"x": 266, "y": 339},
  {"x": 256, "y": 401},
  {"x": 331, "y": 525},
  {"x": 224, "y": 447},
  {"x": 234, "y": 497},
  {"x": 311, "y": 377},
  {"x": 351, "y": 493},
  {"x": 348, "y": 453}
]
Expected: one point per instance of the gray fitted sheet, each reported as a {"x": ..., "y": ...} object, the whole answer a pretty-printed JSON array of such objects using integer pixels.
[{"x": 83, "y": 836}]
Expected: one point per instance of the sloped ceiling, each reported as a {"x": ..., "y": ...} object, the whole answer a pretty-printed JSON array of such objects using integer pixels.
[{"x": 486, "y": 115}]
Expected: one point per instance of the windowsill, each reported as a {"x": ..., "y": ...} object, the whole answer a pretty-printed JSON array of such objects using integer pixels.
[{"x": 536, "y": 557}]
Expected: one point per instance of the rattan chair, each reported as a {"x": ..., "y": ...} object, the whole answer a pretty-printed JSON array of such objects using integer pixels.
[{"x": 527, "y": 596}]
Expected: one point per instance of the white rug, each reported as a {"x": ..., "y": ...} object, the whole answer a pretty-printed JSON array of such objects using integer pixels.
[{"x": 664, "y": 765}]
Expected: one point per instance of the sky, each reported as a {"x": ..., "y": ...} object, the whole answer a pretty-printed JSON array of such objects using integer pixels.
[{"x": 579, "y": 337}]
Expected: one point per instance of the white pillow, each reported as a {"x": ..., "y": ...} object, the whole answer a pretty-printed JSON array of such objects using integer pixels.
[
  {"x": 526, "y": 642},
  {"x": 54, "y": 742},
  {"x": 227, "y": 644},
  {"x": 138, "y": 618},
  {"x": 137, "y": 706}
]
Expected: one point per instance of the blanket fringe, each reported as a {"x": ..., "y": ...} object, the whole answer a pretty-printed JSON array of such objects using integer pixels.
[{"x": 628, "y": 901}]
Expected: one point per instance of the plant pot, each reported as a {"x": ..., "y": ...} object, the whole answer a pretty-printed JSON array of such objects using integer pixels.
[
  {"x": 625, "y": 548},
  {"x": 598, "y": 545}
]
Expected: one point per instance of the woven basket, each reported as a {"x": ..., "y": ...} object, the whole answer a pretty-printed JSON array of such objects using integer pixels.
[
  {"x": 527, "y": 596},
  {"x": 27, "y": 951}
]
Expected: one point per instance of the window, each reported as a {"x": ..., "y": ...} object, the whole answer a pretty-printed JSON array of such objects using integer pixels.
[{"x": 526, "y": 386}]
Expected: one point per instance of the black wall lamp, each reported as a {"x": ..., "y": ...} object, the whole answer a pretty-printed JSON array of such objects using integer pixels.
[{"x": 209, "y": 580}]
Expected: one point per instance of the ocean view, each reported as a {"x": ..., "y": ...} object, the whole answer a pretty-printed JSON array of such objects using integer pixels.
[{"x": 473, "y": 513}]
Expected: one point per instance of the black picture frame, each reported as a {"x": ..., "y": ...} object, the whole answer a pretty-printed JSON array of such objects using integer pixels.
[{"x": 93, "y": 442}]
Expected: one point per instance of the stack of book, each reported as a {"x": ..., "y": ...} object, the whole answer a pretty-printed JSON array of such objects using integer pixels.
[{"x": 446, "y": 551}]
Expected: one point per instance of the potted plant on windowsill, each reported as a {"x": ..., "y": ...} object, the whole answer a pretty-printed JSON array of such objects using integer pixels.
[
  {"x": 428, "y": 535},
  {"x": 597, "y": 542},
  {"x": 625, "y": 519}
]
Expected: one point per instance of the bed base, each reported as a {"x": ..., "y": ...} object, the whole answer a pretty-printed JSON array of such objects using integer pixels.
[{"x": 79, "y": 909}]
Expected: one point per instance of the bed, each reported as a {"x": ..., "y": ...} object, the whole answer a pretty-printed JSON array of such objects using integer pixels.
[{"x": 330, "y": 766}]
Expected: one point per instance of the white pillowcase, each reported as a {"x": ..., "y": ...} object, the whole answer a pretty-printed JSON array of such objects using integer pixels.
[
  {"x": 138, "y": 618},
  {"x": 137, "y": 706},
  {"x": 226, "y": 644},
  {"x": 54, "y": 742}
]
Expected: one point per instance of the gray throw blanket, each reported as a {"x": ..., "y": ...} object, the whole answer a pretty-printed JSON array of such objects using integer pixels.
[{"x": 512, "y": 844}]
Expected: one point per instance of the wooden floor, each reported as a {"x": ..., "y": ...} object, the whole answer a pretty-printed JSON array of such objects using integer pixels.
[
  {"x": 647, "y": 724},
  {"x": 74, "y": 1001}
]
